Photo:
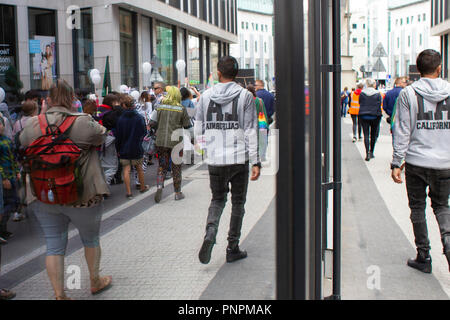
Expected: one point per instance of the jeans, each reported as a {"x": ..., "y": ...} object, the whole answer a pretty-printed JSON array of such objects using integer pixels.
[
  {"x": 371, "y": 129},
  {"x": 55, "y": 219},
  {"x": 344, "y": 107},
  {"x": 438, "y": 181},
  {"x": 220, "y": 180},
  {"x": 357, "y": 126}
]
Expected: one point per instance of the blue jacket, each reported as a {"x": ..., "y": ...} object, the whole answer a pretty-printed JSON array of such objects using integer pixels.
[
  {"x": 130, "y": 132},
  {"x": 390, "y": 99},
  {"x": 269, "y": 101}
]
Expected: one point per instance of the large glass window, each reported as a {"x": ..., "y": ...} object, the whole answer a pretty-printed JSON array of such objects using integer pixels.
[
  {"x": 164, "y": 53},
  {"x": 194, "y": 60},
  {"x": 128, "y": 49},
  {"x": 9, "y": 77},
  {"x": 194, "y": 7},
  {"x": 83, "y": 50},
  {"x": 216, "y": 12},
  {"x": 175, "y": 3},
  {"x": 202, "y": 9},
  {"x": 223, "y": 14},
  {"x": 43, "y": 49}
]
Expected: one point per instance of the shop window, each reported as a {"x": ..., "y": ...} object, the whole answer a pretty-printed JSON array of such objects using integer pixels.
[
  {"x": 194, "y": 60},
  {"x": 163, "y": 64},
  {"x": 83, "y": 51},
  {"x": 43, "y": 48},
  {"x": 128, "y": 48},
  {"x": 9, "y": 77},
  {"x": 214, "y": 58}
]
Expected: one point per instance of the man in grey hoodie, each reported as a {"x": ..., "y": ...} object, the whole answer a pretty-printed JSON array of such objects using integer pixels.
[
  {"x": 422, "y": 139},
  {"x": 226, "y": 116}
]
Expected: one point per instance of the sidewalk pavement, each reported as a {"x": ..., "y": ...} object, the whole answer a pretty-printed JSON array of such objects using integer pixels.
[
  {"x": 377, "y": 232},
  {"x": 154, "y": 255}
]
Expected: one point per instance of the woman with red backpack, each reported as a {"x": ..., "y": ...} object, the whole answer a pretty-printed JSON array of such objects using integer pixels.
[{"x": 66, "y": 177}]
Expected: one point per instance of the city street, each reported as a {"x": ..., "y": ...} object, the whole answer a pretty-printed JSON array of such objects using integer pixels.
[{"x": 151, "y": 250}]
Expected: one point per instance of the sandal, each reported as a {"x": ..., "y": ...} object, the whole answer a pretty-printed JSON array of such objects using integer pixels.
[
  {"x": 146, "y": 188},
  {"x": 7, "y": 294},
  {"x": 106, "y": 284},
  {"x": 129, "y": 196},
  {"x": 63, "y": 298}
]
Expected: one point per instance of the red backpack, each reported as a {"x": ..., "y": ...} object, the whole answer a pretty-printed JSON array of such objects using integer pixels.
[{"x": 52, "y": 162}]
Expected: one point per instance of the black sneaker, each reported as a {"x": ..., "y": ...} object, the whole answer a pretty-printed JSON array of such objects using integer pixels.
[
  {"x": 6, "y": 235},
  {"x": 421, "y": 263},
  {"x": 447, "y": 255},
  {"x": 235, "y": 255},
  {"x": 368, "y": 157},
  {"x": 205, "y": 252},
  {"x": 158, "y": 195},
  {"x": 371, "y": 155}
]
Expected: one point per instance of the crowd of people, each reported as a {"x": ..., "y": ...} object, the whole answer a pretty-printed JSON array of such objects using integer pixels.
[{"x": 60, "y": 154}]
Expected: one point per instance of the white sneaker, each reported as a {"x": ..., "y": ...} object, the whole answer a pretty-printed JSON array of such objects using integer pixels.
[{"x": 18, "y": 217}]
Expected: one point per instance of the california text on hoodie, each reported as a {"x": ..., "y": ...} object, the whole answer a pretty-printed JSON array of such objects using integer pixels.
[
  {"x": 226, "y": 116},
  {"x": 370, "y": 103},
  {"x": 422, "y": 133}
]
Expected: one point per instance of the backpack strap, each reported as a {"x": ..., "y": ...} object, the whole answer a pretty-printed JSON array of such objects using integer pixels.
[{"x": 63, "y": 127}]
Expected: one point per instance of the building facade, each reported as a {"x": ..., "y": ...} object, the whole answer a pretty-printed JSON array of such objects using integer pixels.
[
  {"x": 409, "y": 33},
  {"x": 368, "y": 32},
  {"x": 255, "y": 32},
  {"x": 44, "y": 40},
  {"x": 440, "y": 26}
]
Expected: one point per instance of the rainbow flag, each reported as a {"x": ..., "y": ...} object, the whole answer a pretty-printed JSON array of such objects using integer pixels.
[{"x": 210, "y": 82}]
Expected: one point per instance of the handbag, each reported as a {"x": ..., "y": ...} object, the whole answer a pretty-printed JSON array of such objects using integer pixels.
[{"x": 149, "y": 144}]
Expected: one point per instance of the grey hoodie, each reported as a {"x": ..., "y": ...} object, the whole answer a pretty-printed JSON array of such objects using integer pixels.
[
  {"x": 226, "y": 117},
  {"x": 423, "y": 138}
]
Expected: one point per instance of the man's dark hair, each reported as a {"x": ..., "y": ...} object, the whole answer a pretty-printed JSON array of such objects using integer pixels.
[
  {"x": 110, "y": 99},
  {"x": 32, "y": 94},
  {"x": 229, "y": 67},
  {"x": 428, "y": 61}
]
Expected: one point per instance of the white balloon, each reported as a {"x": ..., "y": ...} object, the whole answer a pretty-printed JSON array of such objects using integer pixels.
[
  {"x": 135, "y": 94},
  {"x": 181, "y": 65},
  {"x": 2, "y": 95},
  {"x": 93, "y": 72},
  {"x": 147, "y": 67},
  {"x": 123, "y": 89},
  {"x": 96, "y": 79}
]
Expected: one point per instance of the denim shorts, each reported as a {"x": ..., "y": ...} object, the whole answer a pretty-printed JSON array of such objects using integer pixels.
[{"x": 55, "y": 219}]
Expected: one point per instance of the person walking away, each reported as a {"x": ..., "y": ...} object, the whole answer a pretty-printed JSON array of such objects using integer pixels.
[
  {"x": 263, "y": 124},
  {"x": 226, "y": 116},
  {"x": 344, "y": 102},
  {"x": 267, "y": 98},
  {"x": 130, "y": 133},
  {"x": 370, "y": 113},
  {"x": 29, "y": 110},
  {"x": 10, "y": 176},
  {"x": 353, "y": 110},
  {"x": 169, "y": 117},
  {"x": 391, "y": 97},
  {"x": 421, "y": 138},
  {"x": 145, "y": 109},
  {"x": 57, "y": 208},
  {"x": 186, "y": 98}
]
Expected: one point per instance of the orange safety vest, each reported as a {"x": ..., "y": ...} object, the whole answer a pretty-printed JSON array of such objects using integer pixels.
[{"x": 354, "y": 104}]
